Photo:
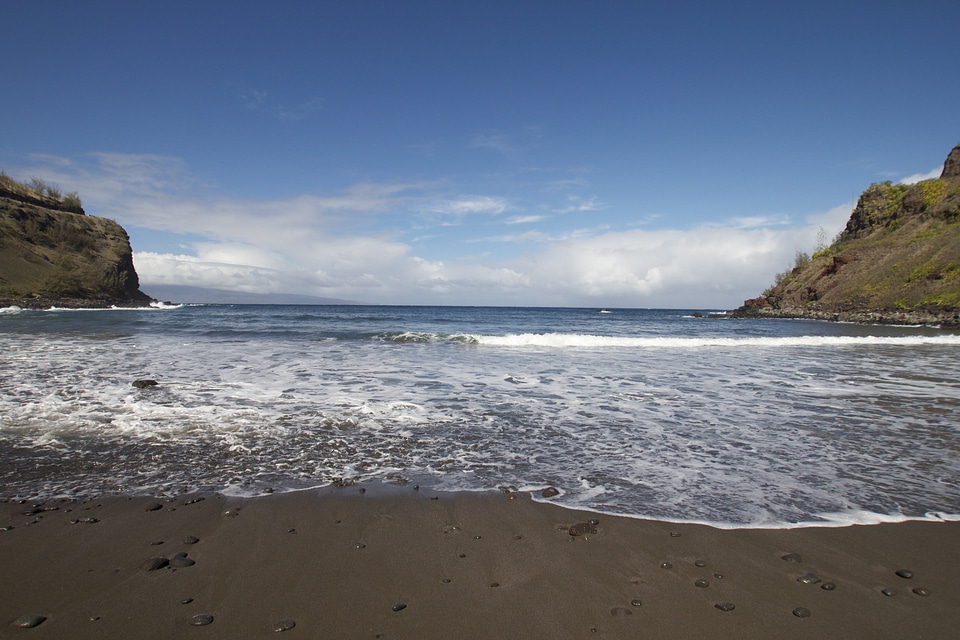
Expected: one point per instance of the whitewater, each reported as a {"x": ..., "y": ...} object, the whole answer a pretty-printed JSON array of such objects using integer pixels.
[{"x": 648, "y": 413}]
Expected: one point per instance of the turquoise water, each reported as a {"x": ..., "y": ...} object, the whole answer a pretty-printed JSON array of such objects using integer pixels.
[{"x": 651, "y": 413}]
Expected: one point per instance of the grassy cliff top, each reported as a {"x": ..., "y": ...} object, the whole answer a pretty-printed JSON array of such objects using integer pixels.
[{"x": 898, "y": 256}]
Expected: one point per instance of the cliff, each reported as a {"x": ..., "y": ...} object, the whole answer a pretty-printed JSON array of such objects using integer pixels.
[
  {"x": 53, "y": 255},
  {"x": 897, "y": 260}
]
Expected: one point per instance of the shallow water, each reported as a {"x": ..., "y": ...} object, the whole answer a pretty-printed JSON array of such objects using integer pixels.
[{"x": 639, "y": 412}]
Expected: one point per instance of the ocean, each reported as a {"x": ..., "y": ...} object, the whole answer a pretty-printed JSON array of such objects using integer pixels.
[{"x": 648, "y": 413}]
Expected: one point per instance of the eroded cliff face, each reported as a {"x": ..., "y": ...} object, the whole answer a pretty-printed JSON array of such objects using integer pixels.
[
  {"x": 59, "y": 258},
  {"x": 897, "y": 260}
]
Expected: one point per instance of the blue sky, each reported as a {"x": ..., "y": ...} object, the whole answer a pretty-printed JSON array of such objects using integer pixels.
[{"x": 536, "y": 153}]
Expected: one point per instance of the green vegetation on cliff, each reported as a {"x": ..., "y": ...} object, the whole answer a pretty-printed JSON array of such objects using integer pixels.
[
  {"x": 52, "y": 253},
  {"x": 897, "y": 259}
]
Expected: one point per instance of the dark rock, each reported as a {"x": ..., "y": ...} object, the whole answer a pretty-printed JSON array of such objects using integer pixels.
[
  {"x": 801, "y": 612},
  {"x": 156, "y": 506},
  {"x": 154, "y": 564},
  {"x": 284, "y": 625},
  {"x": 550, "y": 492},
  {"x": 703, "y": 584},
  {"x": 905, "y": 573},
  {"x": 920, "y": 591},
  {"x": 180, "y": 561},
  {"x": 725, "y": 606},
  {"x": 399, "y": 606},
  {"x": 809, "y": 578},
  {"x": 201, "y": 619},
  {"x": 828, "y": 586},
  {"x": 29, "y": 621},
  {"x": 144, "y": 384}
]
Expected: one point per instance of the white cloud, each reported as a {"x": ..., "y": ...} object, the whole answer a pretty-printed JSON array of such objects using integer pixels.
[
  {"x": 920, "y": 177},
  {"x": 312, "y": 245},
  {"x": 525, "y": 219}
]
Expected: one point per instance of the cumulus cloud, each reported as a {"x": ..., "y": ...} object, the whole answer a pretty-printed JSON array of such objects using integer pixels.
[{"x": 312, "y": 244}]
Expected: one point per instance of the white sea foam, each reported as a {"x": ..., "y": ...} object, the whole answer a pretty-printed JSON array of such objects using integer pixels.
[
  {"x": 802, "y": 426},
  {"x": 561, "y": 340}
]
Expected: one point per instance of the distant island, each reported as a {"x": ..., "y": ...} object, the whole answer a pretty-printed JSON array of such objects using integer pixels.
[
  {"x": 54, "y": 255},
  {"x": 897, "y": 261}
]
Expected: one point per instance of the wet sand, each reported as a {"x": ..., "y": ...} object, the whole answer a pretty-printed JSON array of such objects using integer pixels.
[{"x": 342, "y": 563}]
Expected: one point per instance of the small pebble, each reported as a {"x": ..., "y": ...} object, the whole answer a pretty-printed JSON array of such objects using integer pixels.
[
  {"x": 889, "y": 592},
  {"x": 180, "y": 562},
  {"x": 156, "y": 506},
  {"x": 194, "y": 500},
  {"x": 154, "y": 564},
  {"x": 190, "y": 539},
  {"x": 399, "y": 606},
  {"x": 828, "y": 586},
  {"x": 699, "y": 563},
  {"x": 905, "y": 573},
  {"x": 636, "y": 602},
  {"x": 674, "y": 534},
  {"x": 666, "y": 565},
  {"x": 809, "y": 578},
  {"x": 550, "y": 492},
  {"x": 801, "y": 612},
  {"x": 270, "y": 490},
  {"x": 284, "y": 625},
  {"x": 494, "y": 585},
  {"x": 620, "y": 611},
  {"x": 93, "y": 618},
  {"x": 29, "y": 622},
  {"x": 793, "y": 557},
  {"x": 201, "y": 619},
  {"x": 920, "y": 591},
  {"x": 718, "y": 576},
  {"x": 445, "y": 581},
  {"x": 156, "y": 543},
  {"x": 701, "y": 583},
  {"x": 725, "y": 606},
  {"x": 594, "y": 521},
  {"x": 186, "y": 600},
  {"x": 359, "y": 545}
]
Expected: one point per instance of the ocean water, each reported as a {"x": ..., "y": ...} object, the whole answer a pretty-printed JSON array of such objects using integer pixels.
[{"x": 648, "y": 413}]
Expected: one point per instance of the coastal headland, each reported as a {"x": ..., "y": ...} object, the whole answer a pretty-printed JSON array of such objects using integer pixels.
[
  {"x": 897, "y": 261},
  {"x": 400, "y": 562}
]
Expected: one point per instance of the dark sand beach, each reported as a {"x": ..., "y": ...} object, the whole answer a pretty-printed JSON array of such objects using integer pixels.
[{"x": 402, "y": 563}]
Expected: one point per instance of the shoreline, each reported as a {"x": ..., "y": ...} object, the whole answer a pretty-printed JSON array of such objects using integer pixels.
[{"x": 397, "y": 562}]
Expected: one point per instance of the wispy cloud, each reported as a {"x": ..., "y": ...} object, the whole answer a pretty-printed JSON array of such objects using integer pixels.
[
  {"x": 525, "y": 219},
  {"x": 496, "y": 141},
  {"x": 258, "y": 100},
  {"x": 920, "y": 177},
  {"x": 575, "y": 204}
]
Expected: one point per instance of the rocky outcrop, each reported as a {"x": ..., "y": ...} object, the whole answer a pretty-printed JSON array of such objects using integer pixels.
[
  {"x": 51, "y": 257},
  {"x": 897, "y": 261}
]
